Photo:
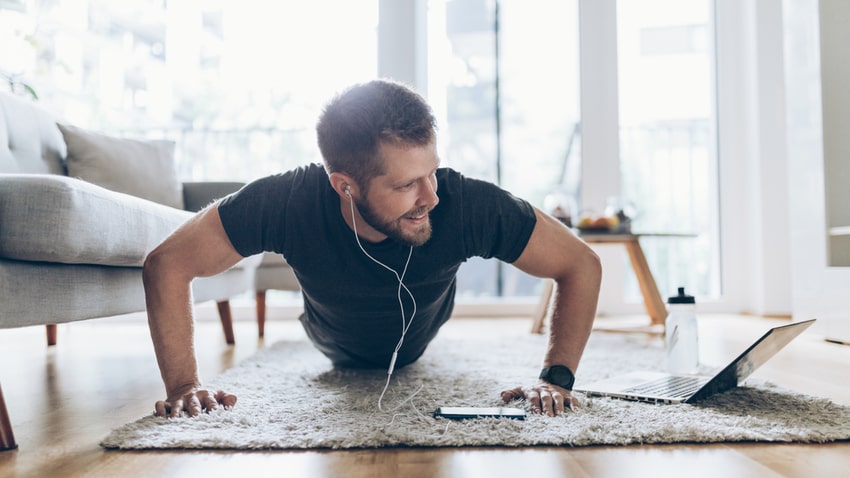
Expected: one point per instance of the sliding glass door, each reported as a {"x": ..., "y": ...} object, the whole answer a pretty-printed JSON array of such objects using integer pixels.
[
  {"x": 509, "y": 73},
  {"x": 506, "y": 76},
  {"x": 668, "y": 139}
]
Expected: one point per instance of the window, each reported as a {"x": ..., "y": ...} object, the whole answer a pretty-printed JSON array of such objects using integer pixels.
[
  {"x": 513, "y": 116},
  {"x": 510, "y": 78},
  {"x": 668, "y": 161},
  {"x": 239, "y": 85}
]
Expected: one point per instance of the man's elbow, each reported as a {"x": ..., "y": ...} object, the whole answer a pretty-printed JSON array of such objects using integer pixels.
[
  {"x": 155, "y": 268},
  {"x": 588, "y": 266},
  {"x": 593, "y": 261}
]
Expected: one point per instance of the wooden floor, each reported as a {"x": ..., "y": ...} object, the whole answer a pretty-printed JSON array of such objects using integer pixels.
[{"x": 63, "y": 400}]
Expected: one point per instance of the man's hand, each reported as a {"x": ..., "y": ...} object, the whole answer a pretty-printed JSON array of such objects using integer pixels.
[
  {"x": 544, "y": 398},
  {"x": 193, "y": 403}
]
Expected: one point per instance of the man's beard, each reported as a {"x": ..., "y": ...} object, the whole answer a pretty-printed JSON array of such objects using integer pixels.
[{"x": 393, "y": 228}]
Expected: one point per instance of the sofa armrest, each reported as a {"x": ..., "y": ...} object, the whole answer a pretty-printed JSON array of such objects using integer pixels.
[
  {"x": 198, "y": 195},
  {"x": 52, "y": 218}
]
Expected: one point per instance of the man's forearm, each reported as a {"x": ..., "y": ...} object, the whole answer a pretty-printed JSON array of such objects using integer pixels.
[
  {"x": 576, "y": 297},
  {"x": 169, "y": 305}
]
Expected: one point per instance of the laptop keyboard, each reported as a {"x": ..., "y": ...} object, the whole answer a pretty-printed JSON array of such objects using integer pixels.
[{"x": 677, "y": 387}]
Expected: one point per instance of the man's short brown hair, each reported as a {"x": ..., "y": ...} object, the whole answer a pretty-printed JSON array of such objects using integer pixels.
[{"x": 357, "y": 121}]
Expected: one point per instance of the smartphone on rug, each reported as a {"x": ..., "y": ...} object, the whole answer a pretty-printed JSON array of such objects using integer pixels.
[{"x": 460, "y": 413}]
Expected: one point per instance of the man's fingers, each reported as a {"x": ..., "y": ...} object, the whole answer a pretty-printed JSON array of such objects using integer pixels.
[
  {"x": 176, "y": 409},
  {"x": 543, "y": 398},
  {"x": 226, "y": 399},
  {"x": 546, "y": 405},
  {"x": 513, "y": 394},
  {"x": 573, "y": 403},
  {"x": 208, "y": 402},
  {"x": 557, "y": 403},
  {"x": 193, "y": 405},
  {"x": 534, "y": 399}
]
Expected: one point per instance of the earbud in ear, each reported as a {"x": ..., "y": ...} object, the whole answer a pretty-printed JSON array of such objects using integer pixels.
[{"x": 348, "y": 190}]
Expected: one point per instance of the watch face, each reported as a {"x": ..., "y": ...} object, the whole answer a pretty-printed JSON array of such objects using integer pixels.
[{"x": 560, "y": 376}]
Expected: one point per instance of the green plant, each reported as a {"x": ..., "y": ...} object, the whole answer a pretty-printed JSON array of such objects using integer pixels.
[{"x": 17, "y": 85}]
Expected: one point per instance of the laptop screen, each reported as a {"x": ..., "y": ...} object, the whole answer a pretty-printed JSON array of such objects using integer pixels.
[{"x": 752, "y": 358}]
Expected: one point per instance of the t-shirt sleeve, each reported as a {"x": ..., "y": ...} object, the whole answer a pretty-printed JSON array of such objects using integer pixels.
[
  {"x": 253, "y": 217},
  {"x": 496, "y": 223}
]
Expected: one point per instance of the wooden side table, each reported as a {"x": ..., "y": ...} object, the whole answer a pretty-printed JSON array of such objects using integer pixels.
[{"x": 652, "y": 299}]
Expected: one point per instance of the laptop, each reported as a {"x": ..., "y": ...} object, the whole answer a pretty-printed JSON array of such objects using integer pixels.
[{"x": 666, "y": 388}]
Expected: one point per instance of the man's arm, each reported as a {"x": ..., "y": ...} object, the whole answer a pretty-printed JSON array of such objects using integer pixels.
[
  {"x": 553, "y": 251},
  {"x": 199, "y": 248}
]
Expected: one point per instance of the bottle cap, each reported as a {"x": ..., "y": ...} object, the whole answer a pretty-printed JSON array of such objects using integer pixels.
[{"x": 682, "y": 298}]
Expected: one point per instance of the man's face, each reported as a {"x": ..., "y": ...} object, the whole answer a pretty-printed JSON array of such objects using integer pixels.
[{"x": 398, "y": 202}]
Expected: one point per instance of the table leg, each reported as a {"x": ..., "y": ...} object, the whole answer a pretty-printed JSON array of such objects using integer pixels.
[
  {"x": 652, "y": 300},
  {"x": 651, "y": 297}
]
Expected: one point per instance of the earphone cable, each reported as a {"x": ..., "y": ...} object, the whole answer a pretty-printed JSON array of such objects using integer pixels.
[{"x": 405, "y": 323}]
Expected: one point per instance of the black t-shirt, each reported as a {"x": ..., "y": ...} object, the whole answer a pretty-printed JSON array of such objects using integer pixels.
[{"x": 351, "y": 305}]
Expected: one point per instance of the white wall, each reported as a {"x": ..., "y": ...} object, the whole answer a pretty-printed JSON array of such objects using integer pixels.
[
  {"x": 736, "y": 152},
  {"x": 768, "y": 223},
  {"x": 403, "y": 42},
  {"x": 819, "y": 291}
]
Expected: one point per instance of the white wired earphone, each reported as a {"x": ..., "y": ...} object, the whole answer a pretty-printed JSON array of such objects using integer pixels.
[{"x": 405, "y": 324}]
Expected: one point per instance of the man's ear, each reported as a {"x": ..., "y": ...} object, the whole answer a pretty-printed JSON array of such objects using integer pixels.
[{"x": 342, "y": 184}]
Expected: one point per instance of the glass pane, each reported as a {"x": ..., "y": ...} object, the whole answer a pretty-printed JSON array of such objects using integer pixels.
[
  {"x": 469, "y": 131},
  {"x": 668, "y": 139},
  {"x": 539, "y": 108},
  {"x": 539, "y": 95},
  {"x": 517, "y": 129},
  {"x": 238, "y": 85}
]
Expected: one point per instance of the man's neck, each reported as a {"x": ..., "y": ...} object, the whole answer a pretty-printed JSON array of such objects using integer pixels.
[{"x": 363, "y": 229}]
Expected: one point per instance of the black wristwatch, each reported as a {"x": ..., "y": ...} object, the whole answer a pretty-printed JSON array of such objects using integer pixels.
[{"x": 559, "y": 375}]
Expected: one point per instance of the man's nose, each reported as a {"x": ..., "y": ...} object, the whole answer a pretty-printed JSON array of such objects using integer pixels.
[{"x": 429, "y": 193}]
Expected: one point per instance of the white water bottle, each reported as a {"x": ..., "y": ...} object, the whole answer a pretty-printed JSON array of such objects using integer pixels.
[{"x": 680, "y": 332}]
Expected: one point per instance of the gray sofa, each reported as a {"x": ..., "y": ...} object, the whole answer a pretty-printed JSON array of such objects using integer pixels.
[{"x": 79, "y": 212}]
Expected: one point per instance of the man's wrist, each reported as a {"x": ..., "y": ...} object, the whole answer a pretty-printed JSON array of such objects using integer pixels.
[
  {"x": 183, "y": 389},
  {"x": 559, "y": 375}
]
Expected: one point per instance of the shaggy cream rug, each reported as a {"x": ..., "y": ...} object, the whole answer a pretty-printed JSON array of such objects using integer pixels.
[{"x": 291, "y": 398}]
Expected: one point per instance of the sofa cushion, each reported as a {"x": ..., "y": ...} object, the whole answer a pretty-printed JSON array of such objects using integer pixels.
[
  {"x": 30, "y": 142},
  {"x": 54, "y": 218},
  {"x": 145, "y": 169}
]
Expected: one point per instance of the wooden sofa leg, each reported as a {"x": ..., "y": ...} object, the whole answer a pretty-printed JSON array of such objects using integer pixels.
[
  {"x": 261, "y": 312},
  {"x": 226, "y": 321},
  {"x": 7, "y": 438},
  {"x": 51, "y": 334}
]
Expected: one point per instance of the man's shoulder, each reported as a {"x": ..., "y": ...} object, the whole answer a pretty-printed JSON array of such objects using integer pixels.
[
  {"x": 279, "y": 188},
  {"x": 298, "y": 177},
  {"x": 311, "y": 170},
  {"x": 456, "y": 183},
  {"x": 453, "y": 178},
  {"x": 305, "y": 173}
]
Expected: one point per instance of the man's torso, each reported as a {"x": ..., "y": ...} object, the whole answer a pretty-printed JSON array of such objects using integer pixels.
[{"x": 352, "y": 310}]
